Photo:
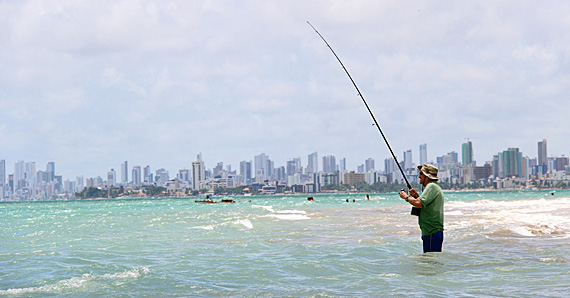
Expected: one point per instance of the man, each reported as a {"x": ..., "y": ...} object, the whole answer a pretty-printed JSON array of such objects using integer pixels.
[{"x": 431, "y": 204}]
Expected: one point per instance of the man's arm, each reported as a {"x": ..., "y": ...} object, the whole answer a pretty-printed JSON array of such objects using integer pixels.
[{"x": 413, "y": 201}]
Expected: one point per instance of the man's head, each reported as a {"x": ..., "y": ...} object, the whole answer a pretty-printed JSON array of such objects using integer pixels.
[{"x": 427, "y": 173}]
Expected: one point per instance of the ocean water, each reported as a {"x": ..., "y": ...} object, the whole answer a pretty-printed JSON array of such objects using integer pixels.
[{"x": 497, "y": 244}]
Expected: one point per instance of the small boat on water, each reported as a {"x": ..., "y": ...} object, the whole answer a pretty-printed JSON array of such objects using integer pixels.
[
  {"x": 210, "y": 201},
  {"x": 207, "y": 201}
]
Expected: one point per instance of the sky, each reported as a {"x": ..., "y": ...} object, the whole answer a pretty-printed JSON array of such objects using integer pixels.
[{"x": 90, "y": 84}]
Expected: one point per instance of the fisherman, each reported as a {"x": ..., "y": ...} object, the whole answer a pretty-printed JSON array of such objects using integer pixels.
[{"x": 431, "y": 204}]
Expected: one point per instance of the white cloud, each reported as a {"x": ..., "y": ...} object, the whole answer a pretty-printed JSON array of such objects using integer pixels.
[{"x": 157, "y": 82}]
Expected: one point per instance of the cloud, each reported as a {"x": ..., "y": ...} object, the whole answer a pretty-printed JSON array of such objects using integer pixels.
[{"x": 157, "y": 82}]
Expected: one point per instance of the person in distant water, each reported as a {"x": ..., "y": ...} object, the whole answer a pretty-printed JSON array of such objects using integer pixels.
[
  {"x": 431, "y": 204},
  {"x": 310, "y": 199},
  {"x": 368, "y": 197}
]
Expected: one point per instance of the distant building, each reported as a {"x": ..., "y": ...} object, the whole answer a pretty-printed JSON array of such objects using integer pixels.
[
  {"x": 369, "y": 165},
  {"x": 353, "y": 178},
  {"x": 136, "y": 175},
  {"x": 473, "y": 173},
  {"x": 162, "y": 176},
  {"x": 184, "y": 175},
  {"x": 313, "y": 163},
  {"x": 198, "y": 174},
  {"x": 218, "y": 168},
  {"x": 408, "y": 163},
  {"x": 510, "y": 163},
  {"x": 125, "y": 173},
  {"x": 2, "y": 178},
  {"x": 51, "y": 171},
  {"x": 342, "y": 165},
  {"x": 389, "y": 166},
  {"x": 561, "y": 163},
  {"x": 423, "y": 154},
  {"x": 542, "y": 154},
  {"x": 245, "y": 171},
  {"x": 467, "y": 153},
  {"x": 260, "y": 164},
  {"x": 329, "y": 164},
  {"x": 147, "y": 175},
  {"x": 111, "y": 178}
]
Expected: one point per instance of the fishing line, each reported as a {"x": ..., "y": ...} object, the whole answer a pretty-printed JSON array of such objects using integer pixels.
[{"x": 367, "y": 107}]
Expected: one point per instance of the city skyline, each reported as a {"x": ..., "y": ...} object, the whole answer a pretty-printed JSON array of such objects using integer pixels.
[
  {"x": 89, "y": 85},
  {"x": 377, "y": 164}
]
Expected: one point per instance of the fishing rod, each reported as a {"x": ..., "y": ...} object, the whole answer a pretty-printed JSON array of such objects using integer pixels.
[{"x": 367, "y": 107}]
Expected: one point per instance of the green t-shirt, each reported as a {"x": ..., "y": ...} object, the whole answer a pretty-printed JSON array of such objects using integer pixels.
[{"x": 431, "y": 216}]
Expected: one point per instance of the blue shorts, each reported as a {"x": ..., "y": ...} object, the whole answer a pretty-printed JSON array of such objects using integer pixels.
[{"x": 433, "y": 242}]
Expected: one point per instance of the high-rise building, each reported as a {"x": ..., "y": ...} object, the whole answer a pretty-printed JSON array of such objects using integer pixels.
[
  {"x": 162, "y": 176},
  {"x": 369, "y": 165},
  {"x": 560, "y": 163},
  {"x": 2, "y": 178},
  {"x": 136, "y": 175},
  {"x": 467, "y": 153},
  {"x": 542, "y": 156},
  {"x": 423, "y": 154},
  {"x": 19, "y": 175},
  {"x": 50, "y": 171},
  {"x": 245, "y": 171},
  {"x": 147, "y": 175},
  {"x": 218, "y": 169},
  {"x": 291, "y": 167},
  {"x": 80, "y": 183},
  {"x": 125, "y": 173},
  {"x": 329, "y": 164},
  {"x": 260, "y": 163},
  {"x": 30, "y": 174},
  {"x": 313, "y": 164},
  {"x": 269, "y": 169},
  {"x": 389, "y": 165},
  {"x": 408, "y": 162},
  {"x": 342, "y": 165},
  {"x": 511, "y": 162},
  {"x": 198, "y": 174},
  {"x": 111, "y": 178},
  {"x": 184, "y": 175}
]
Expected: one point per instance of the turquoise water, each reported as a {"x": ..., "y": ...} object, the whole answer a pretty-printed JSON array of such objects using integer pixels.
[{"x": 497, "y": 244}]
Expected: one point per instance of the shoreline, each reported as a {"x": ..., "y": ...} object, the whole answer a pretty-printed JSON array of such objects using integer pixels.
[{"x": 138, "y": 197}]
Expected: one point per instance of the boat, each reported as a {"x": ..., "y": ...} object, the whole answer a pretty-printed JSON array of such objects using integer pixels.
[
  {"x": 206, "y": 201},
  {"x": 227, "y": 201}
]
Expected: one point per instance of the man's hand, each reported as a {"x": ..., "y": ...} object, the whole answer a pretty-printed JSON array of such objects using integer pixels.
[
  {"x": 403, "y": 194},
  {"x": 414, "y": 193}
]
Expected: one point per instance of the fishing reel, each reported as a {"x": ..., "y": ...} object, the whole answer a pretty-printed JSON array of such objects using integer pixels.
[{"x": 415, "y": 211}]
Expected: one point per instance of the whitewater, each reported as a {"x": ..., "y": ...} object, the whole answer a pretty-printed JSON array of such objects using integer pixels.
[{"x": 497, "y": 244}]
